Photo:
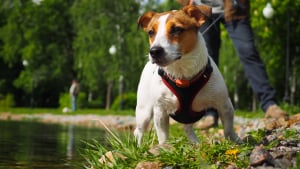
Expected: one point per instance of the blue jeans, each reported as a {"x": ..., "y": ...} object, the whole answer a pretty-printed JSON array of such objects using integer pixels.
[
  {"x": 73, "y": 102},
  {"x": 241, "y": 34}
]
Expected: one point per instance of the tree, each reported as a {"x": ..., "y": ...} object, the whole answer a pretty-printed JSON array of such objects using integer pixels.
[
  {"x": 276, "y": 37},
  {"x": 99, "y": 25},
  {"x": 41, "y": 36}
]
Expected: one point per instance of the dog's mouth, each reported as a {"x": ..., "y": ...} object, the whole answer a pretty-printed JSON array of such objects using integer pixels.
[
  {"x": 164, "y": 61},
  {"x": 162, "y": 58}
]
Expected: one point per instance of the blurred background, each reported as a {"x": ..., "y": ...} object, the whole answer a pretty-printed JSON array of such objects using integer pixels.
[{"x": 44, "y": 44}]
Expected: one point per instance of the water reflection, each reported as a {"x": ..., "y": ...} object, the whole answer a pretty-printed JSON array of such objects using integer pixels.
[{"x": 26, "y": 145}]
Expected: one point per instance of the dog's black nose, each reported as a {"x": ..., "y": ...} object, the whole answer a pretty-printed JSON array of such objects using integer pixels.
[{"x": 156, "y": 52}]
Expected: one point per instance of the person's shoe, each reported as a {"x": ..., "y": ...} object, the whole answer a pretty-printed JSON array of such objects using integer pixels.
[
  {"x": 275, "y": 111},
  {"x": 210, "y": 120}
]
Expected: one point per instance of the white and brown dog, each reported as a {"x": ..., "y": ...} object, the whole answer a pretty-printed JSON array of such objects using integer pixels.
[{"x": 180, "y": 80}]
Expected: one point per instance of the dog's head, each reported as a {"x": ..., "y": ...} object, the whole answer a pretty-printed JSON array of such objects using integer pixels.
[{"x": 173, "y": 34}]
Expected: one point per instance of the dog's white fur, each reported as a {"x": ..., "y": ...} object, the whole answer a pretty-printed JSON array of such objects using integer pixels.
[{"x": 155, "y": 100}]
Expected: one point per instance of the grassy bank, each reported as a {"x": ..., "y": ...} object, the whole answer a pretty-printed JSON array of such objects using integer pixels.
[
  {"x": 60, "y": 112},
  {"x": 22, "y": 110},
  {"x": 247, "y": 114},
  {"x": 122, "y": 151}
]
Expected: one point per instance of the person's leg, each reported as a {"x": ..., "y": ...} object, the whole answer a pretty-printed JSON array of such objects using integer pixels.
[
  {"x": 73, "y": 103},
  {"x": 211, "y": 34},
  {"x": 241, "y": 33}
]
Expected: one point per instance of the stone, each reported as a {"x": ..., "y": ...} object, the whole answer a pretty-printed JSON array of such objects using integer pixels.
[
  {"x": 259, "y": 156},
  {"x": 283, "y": 163},
  {"x": 109, "y": 158},
  {"x": 155, "y": 149},
  {"x": 148, "y": 165}
]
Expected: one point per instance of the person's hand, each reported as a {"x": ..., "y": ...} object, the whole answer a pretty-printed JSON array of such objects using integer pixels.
[
  {"x": 238, "y": 5},
  {"x": 185, "y": 2}
]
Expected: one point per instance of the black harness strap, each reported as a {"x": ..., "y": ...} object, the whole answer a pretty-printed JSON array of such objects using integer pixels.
[{"x": 186, "y": 95}]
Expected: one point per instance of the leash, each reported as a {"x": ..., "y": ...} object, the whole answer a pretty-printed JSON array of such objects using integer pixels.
[{"x": 214, "y": 21}]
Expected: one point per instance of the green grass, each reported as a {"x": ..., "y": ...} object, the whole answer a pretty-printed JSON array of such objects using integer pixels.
[
  {"x": 246, "y": 114},
  {"x": 59, "y": 111},
  {"x": 249, "y": 114},
  {"x": 207, "y": 154},
  {"x": 213, "y": 152}
]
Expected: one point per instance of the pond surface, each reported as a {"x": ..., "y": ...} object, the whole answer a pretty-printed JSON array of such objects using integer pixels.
[{"x": 33, "y": 145}]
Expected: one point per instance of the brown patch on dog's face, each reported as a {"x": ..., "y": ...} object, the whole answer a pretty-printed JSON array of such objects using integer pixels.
[{"x": 182, "y": 30}]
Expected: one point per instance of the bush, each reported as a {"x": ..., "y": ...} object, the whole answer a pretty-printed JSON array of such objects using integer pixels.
[
  {"x": 129, "y": 101},
  {"x": 65, "y": 100},
  {"x": 96, "y": 103},
  {"x": 7, "y": 101}
]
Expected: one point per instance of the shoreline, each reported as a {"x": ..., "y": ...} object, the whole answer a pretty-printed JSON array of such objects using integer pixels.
[{"x": 88, "y": 120}]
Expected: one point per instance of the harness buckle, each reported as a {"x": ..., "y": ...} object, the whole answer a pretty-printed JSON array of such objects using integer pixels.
[{"x": 182, "y": 83}]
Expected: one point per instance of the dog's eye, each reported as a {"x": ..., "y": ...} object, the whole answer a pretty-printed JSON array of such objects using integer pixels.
[
  {"x": 176, "y": 30},
  {"x": 151, "y": 33}
]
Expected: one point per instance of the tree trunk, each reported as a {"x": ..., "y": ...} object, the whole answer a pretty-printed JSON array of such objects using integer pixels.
[{"x": 108, "y": 95}]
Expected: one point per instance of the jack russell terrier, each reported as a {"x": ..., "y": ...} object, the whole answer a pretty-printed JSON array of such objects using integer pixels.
[{"x": 180, "y": 80}]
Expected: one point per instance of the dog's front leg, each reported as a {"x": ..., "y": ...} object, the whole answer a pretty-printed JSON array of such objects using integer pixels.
[
  {"x": 161, "y": 123},
  {"x": 190, "y": 133},
  {"x": 143, "y": 118}
]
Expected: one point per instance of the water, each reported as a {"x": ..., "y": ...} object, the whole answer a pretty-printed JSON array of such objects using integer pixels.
[{"x": 33, "y": 145}]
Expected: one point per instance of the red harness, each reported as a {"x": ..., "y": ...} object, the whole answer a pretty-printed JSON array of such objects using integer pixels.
[{"x": 186, "y": 92}]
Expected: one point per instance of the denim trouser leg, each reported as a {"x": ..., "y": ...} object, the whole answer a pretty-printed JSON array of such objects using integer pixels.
[
  {"x": 212, "y": 36},
  {"x": 242, "y": 37},
  {"x": 73, "y": 103}
]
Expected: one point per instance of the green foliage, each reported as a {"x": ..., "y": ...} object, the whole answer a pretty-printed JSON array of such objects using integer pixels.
[
  {"x": 99, "y": 25},
  {"x": 122, "y": 143},
  {"x": 65, "y": 39},
  {"x": 257, "y": 135},
  {"x": 7, "y": 101},
  {"x": 128, "y": 101},
  {"x": 291, "y": 134},
  {"x": 41, "y": 35},
  {"x": 27, "y": 110},
  {"x": 180, "y": 155},
  {"x": 291, "y": 109},
  {"x": 65, "y": 100},
  {"x": 210, "y": 153},
  {"x": 272, "y": 40},
  {"x": 96, "y": 103}
]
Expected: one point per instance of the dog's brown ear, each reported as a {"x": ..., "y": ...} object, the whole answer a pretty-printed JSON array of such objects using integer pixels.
[
  {"x": 144, "y": 20},
  {"x": 200, "y": 12}
]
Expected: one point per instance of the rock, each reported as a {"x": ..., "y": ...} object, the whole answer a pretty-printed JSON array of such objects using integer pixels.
[
  {"x": 109, "y": 158},
  {"x": 259, "y": 156},
  {"x": 273, "y": 123},
  {"x": 148, "y": 165},
  {"x": 271, "y": 138},
  {"x": 155, "y": 149},
  {"x": 231, "y": 167},
  {"x": 283, "y": 163},
  {"x": 294, "y": 119}
]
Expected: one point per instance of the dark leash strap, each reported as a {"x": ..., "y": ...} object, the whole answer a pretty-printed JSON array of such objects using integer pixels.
[{"x": 213, "y": 23}]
